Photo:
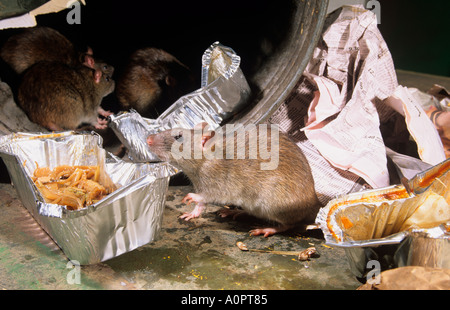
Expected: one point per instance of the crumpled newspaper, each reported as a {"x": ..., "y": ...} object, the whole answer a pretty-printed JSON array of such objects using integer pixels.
[{"x": 334, "y": 115}]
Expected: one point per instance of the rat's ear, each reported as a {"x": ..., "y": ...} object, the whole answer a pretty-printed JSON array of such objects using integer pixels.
[
  {"x": 89, "y": 51},
  {"x": 206, "y": 134},
  {"x": 89, "y": 61},
  {"x": 97, "y": 76},
  {"x": 171, "y": 81},
  {"x": 177, "y": 134}
]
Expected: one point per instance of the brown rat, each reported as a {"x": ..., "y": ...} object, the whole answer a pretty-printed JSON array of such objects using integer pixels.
[
  {"x": 151, "y": 81},
  {"x": 59, "y": 97},
  {"x": 37, "y": 44},
  {"x": 40, "y": 43},
  {"x": 281, "y": 192}
]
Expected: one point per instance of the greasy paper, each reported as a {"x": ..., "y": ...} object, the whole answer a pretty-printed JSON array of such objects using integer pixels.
[
  {"x": 436, "y": 103},
  {"x": 421, "y": 128},
  {"x": 370, "y": 216}
]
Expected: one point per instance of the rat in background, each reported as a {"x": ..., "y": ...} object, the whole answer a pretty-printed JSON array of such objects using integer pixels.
[
  {"x": 59, "y": 87},
  {"x": 59, "y": 97},
  {"x": 151, "y": 81},
  {"x": 40, "y": 43},
  {"x": 284, "y": 195}
]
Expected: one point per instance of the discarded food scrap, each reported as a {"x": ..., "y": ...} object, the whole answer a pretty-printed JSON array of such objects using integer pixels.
[
  {"x": 302, "y": 256},
  {"x": 73, "y": 186},
  {"x": 307, "y": 254},
  {"x": 241, "y": 246}
]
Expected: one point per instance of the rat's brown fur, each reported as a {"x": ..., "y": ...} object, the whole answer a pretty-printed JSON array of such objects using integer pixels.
[
  {"x": 59, "y": 97},
  {"x": 285, "y": 195},
  {"x": 149, "y": 75},
  {"x": 33, "y": 45},
  {"x": 37, "y": 44}
]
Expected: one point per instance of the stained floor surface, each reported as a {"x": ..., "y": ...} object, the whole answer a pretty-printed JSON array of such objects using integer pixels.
[{"x": 196, "y": 255}]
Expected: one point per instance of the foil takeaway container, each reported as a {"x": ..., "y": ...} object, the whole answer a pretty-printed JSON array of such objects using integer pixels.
[
  {"x": 127, "y": 218},
  {"x": 224, "y": 91},
  {"x": 394, "y": 226}
]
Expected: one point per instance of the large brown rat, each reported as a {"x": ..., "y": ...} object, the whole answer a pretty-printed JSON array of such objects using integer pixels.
[
  {"x": 273, "y": 181},
  {"x": 151, "y": 81},
  {"x": 59, "y": 97},
  {"x": 41, "y": 43}
]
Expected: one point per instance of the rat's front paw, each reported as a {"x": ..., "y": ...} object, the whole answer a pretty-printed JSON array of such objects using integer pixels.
[
  {"x": 199, "y": 207},
  {"x": 191, "y": 197},
  {"x": 101, "y": 123},
  {"x": 103, "y": 112}
]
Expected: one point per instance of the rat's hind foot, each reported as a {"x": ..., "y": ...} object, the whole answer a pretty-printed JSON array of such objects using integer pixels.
[
  {"x": 269, "y": 231},
  {"x": 233, "y": 213}
]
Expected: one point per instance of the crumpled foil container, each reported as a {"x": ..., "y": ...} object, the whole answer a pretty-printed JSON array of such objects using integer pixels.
[
  {"x": 129, "y": 217},
  {"x": 396, "y": 226},
  {"x": 224, "y": 91},
  {"x": 132, "y": 130}
]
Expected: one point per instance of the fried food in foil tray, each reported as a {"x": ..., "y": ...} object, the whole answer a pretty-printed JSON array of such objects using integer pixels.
[
  {"x": 95, "y": 228},
  {"x": 224, "y": 91},
  {"x": 411, "y": 224}
]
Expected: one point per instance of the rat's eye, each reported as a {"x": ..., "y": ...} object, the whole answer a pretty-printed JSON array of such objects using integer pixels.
[{"x": 177, "y": 134}]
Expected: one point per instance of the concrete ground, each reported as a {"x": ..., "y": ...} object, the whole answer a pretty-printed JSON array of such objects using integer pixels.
[{"x": 194, "y": 255}]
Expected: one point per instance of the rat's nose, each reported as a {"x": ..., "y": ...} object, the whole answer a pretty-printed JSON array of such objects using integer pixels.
[{"x": 149, "y": 140}]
